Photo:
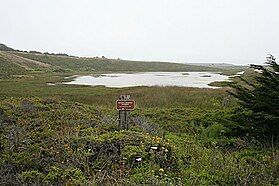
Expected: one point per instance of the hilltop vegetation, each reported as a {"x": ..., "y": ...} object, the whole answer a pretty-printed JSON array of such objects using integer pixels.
[{"x": 5, "y": 48}]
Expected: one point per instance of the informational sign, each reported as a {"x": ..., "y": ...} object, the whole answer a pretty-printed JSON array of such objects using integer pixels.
[
  {"x": 127, "y": 105},
  {"x": 124, "y": 106}
]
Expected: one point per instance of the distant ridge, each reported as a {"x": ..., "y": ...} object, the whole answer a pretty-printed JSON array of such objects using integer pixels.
[
  {"x": 5, "y": 48},
  {"x": 212, "y": 64}
]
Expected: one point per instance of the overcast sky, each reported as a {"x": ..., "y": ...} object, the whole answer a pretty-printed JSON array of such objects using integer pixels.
[{"x": 233, "y": 31}]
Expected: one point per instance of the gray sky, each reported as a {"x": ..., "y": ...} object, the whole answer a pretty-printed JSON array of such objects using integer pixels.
[{"x": 234, "y": 31}]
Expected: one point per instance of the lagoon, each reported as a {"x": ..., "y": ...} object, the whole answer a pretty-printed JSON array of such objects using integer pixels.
[{"x": 181, "y": 79}]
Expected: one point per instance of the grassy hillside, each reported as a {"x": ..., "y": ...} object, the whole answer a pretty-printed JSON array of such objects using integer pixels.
[
  {"x": 103, "y": 64},
  {"x": 7, "y": 68},
  {"x": 12, "y": 64}
]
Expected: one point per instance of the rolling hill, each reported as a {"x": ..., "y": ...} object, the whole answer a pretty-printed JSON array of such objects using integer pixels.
[
  {"x": 105, "y": 64},
  {"x": 12, "y": 64},
  {"x": 8, "y": 68},
  {"x": 64, "y": 63},
  {"x": 17, "y": 62}
]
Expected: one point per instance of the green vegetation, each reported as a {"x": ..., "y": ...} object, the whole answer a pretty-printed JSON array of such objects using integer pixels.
[
  {"x": 49, "y": 141},
  {"x": 7, "y": 68},
  {"x": 13, "y": 65},
  {"x": 104, "y": 64},
  {"x": 68, "y": 135},
  {"x": 261, "y": 97}
]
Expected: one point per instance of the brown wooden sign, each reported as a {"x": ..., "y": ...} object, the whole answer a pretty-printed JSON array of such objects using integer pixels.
[{"x": 127, "y": 105}]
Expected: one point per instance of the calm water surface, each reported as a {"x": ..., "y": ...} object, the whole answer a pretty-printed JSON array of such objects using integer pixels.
[{"x": 181, "y": 79}]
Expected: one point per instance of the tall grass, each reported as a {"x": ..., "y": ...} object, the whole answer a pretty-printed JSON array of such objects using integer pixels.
[{"x": 146, "y": 97}]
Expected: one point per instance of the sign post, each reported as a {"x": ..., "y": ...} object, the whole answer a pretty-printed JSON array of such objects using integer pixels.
[{"x": 124, "y": 105}]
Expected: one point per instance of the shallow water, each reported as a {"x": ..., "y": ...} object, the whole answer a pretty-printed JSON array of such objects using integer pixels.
[{"x": 181, "y": 79}]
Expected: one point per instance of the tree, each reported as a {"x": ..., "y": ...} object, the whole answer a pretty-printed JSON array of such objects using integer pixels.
[{"x": 261, "y": 96}]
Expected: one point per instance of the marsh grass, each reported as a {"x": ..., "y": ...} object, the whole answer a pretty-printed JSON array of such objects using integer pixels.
[{"x": 146, "y": 97}]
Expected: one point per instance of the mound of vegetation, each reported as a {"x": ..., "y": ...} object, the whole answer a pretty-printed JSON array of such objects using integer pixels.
[{"x": 52, "y": 142}]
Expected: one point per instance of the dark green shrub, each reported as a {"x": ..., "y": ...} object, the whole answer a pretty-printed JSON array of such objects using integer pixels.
[{"x": 261, "y": 97}]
